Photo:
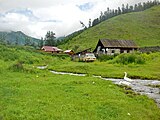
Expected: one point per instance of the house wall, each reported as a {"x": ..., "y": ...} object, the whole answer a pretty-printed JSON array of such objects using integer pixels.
[{"x": 112, "y": 51}]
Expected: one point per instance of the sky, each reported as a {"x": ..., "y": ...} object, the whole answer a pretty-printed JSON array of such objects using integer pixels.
[{"x": 36, "y": 17}]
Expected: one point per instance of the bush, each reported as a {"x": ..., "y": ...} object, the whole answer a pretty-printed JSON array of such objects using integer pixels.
[
  {"x": 17, "y": 66},
  {"x": 20, "y": 67},
  {"x": 103, "y": 58},
  {"x": 127, "y": 58}
]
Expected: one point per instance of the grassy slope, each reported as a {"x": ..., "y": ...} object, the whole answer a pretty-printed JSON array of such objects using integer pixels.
[
  {"x": 37, "y": 94},
  {"x": 142, "y": 27}
]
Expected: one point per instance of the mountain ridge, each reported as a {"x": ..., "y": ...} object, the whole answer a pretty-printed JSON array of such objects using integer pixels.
[{"x": 18, "y": 38}]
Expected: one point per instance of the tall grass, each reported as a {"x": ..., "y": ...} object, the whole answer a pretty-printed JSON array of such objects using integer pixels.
[{"x": 128, "y": 58}]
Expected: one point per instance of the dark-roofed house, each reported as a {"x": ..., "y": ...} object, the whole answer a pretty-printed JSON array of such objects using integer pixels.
[
  {"x": 111, "y": 47},
  {"x": 51, "y": 49}
]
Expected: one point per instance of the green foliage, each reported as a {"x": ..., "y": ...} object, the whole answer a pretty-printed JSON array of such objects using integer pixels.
[
  {"x": 17, "y": 66},
  {"x": 62, "y": 56},
  {"x": 103, "y": 58},
  {"x": 50, "y": 39},
  {"x": 127, "y": 58}
]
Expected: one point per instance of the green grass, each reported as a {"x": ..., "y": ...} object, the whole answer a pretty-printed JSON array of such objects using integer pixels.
[
  {"x": 142, "y": 27},
  {"x": 29, "y": 93},
  {"x": 48, "y": 96}
]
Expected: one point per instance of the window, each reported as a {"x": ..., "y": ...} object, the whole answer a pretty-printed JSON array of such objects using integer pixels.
[{"x": 121, "y": 51}]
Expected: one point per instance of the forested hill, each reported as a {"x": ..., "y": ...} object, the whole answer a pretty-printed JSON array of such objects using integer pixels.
[
  {"x": 142, "y": 27},
  {"x": 18, "y": 38}
]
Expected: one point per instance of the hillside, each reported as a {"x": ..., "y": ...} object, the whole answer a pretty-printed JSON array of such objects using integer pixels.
[
  {"x": 18, "y": 38},
  {"x": 142, "y": 27}
]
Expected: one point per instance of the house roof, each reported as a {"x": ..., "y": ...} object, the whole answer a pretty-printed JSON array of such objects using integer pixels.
[
  {"x": 84, "y": 51},
  {"x": 118, "y": 43},
  {"x": 50, "y": 49},
  {"x": 56, "y": 49},
  {"x": 67, "y": 51}
]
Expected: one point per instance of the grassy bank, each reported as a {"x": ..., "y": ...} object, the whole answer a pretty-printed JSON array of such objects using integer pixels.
[{"x": 115, "y": 68}]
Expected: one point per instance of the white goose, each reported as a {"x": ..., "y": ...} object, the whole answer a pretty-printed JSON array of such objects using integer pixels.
[
  {"x": 124, "y": 83},
  {"x": 126, "y": 78}
]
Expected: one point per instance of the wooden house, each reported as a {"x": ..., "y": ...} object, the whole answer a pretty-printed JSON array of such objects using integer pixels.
[
  {"x": 111, "y": 47},
  {"x": 51, "y": 49}
]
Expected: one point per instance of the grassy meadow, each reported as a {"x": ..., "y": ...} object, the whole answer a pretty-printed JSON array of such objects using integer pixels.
[{"x": 29, "y": 93}]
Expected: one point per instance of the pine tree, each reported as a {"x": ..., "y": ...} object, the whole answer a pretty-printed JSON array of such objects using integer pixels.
[
  {"x": 95, "y": 22},
  {"x": 123, "y": 9},
  {"x": 89, "y": 24},
  {"x": 119, "y": 11},
  {"x": 130, "y": 8},
  {"x": 50, "y": 39}
]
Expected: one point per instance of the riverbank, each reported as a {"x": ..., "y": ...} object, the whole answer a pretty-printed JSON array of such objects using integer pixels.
[{"x": 143, "y": 87}]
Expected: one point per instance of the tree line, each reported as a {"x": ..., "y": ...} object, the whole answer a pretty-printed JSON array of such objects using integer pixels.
[{"x": 109, "y": 13}]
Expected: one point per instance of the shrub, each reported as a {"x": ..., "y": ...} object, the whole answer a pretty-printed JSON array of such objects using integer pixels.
[
  {"x": 103, "y": 58},
  {"x": 18, "y": 66},
  {"x": 127, "y": 58}
]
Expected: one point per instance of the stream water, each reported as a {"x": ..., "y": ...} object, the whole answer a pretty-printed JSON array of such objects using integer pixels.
[{"x": 143, "y": 87}]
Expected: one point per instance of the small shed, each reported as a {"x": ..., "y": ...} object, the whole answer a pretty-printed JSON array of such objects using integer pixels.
[
  {"x": 80, "y": 54},
  {"x": 70, "y": 52},
  {"x": 88, "y": 50},
  {"x": 111, "y": 47},
  {"x": 51, "y": 49}
]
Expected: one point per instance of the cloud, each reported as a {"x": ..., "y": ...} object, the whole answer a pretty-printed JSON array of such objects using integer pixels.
[
  {"x": 36, "y": 17},
  {"x": 86, "y": 6}
]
